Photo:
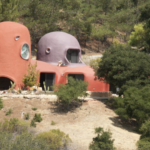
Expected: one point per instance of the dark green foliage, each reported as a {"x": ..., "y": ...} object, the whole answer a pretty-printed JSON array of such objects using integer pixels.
[
  {"x": 37, "y": 117},
  {"x": 71, "y": 91},
  {"x": 123, "y": 67},
  {"x": 26, "y": 116},
  {"x": 135, "y": 104},
  {"x": 102, "y": 141},
  {"x": 9, "y": 112},
  {"x": 34, "y": 108},
  {"x": 1, "y": 104},
  {"x": 32, "y": 124}
]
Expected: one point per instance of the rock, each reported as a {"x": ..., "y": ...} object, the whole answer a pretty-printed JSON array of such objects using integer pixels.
[
  {"x": 39, "y": 89},
  {"x": 33, "y": 88}
]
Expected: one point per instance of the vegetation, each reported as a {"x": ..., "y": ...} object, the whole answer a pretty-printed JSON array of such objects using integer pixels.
[
  {"x": 70, "y": 92},
  {"x": 87, "y": 20},
  {"x": 53, "y": 123},
  {"x": 94, "y": 63},
  {"x": 37, "y": 117},
  {"x": 31, "y": 78},
  {"x": 27, "y": 116},
  {"x": 124, "y": 67},
  {"x": 9, "y": 112},
  {"x": 56, "y": 139},
  {"x": 102, "y": 140},
  {"x": 14, "y": 135},
  {"x": 1, "y": 104},
  {"x": 33, "y": 124},
  {"x": 135, "y": 104},
  {"x": 34, "y": 108}
]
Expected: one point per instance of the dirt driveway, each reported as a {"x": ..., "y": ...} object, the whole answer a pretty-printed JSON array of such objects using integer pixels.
[{"x": 79, "y": 124}]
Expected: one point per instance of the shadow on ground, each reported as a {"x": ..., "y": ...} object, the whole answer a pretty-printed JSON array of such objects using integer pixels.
[{"x": 59, "y": 108}]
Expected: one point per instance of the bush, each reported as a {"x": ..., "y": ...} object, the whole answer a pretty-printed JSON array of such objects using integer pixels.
[
  {"x": 55, "y": 139},
  {"x": 26, "y": 116},
  {"x": 102, "y": 141},
  {"x": 13, "y": 125},
  {"x": 53, "y": 123},
  {"x": 34, "y": 108},
  {"x": 37, "y": 118},
  {"x": 144, "y": 142},
  {"x": 31, "y": 78},
  {"x": 71, "y": 91},
  {"x": 135, "y": 104},
  {"x": 1, "y": 104},
  {"x": 9, "y": 112},
  {"x": 32, "y": 124},
  {"x": 94, "y": 63}
]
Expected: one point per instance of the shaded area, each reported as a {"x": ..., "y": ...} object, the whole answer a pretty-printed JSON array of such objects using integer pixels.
[
  {"x": 57, "y": 107},
  {"x": 5, "y": 83},
  {"x": 47, "y": 80}
]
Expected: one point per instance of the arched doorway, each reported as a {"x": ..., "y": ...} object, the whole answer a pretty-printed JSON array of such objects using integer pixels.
[{"x": 5, "y": 83}]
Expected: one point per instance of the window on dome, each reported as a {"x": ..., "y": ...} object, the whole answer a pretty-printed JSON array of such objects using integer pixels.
[{"x": 73, "y": 56}]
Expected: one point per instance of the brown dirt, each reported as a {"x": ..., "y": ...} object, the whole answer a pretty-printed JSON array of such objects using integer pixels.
[{"x": 79, "y": 123}]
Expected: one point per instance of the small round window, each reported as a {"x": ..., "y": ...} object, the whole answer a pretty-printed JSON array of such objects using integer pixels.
[
  {"x": 25, "y": 52},
  {"x": 48, "y": 50}
]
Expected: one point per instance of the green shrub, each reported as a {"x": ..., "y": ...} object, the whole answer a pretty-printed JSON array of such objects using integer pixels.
[
  {"x": 37, "y": 118},
  {"x": 135, "y": 104},
  {"x": 26, "y": 116},
  {"x": 34, "y": 108},
  {"x": 55, "y": 139},
  {"x": 94, "y": 63},
  {"x": 9, "y": 112},
  {"x": 53, "y": 123},
  {"x": 32, "y": 124},
  {"x": 71, "y": 91},
  {"x": 144, "y": 142},
  {"x": 13, "y": 125},
  {"x": 1, "y": 104},
  {"x": 31, "y": 78},
  {"x": 102, "y": 141}
]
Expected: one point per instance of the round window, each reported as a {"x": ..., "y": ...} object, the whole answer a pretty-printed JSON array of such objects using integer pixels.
[{"x": 25, "y": 52}]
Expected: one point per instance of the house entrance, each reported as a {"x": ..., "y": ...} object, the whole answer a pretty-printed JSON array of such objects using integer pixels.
[
  {"x": 5, "y": 83},
  {"x": 48, "y": 79},
  {"x": 73, "y": 56}
]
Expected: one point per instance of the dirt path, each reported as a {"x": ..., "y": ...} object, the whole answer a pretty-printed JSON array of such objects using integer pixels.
[{"x": 79, "y": 124}]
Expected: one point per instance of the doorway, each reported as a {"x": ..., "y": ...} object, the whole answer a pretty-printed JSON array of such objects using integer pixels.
[
  {"x": 5, "y": 83},
  {"x": 47, "y": 80}
]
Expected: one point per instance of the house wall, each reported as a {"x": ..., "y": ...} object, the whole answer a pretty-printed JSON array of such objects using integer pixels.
[{"x": 12, "y": 65}]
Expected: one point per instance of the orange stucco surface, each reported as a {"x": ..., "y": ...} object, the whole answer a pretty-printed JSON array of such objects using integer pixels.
[
  {"x": 12, "y": 65},
  {"x": 62, "y": 72}
]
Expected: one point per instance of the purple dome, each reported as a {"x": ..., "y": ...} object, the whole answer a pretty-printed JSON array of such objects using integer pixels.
[{"x": 59, "y": 46}]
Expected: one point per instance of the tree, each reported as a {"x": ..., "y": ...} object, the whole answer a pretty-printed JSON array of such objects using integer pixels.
[
  {"x": 9, "y": 10},
  {"x": 102, "y": 141},
  {"x": 121, "y": 65},
  {"x": 135, "y": 104},
  {"x": 70, "y": 92},
  {"x": 137, "y": 37}
]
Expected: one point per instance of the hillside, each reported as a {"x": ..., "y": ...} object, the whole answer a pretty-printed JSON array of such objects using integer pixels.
[{"x": 78, "y": 123}]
